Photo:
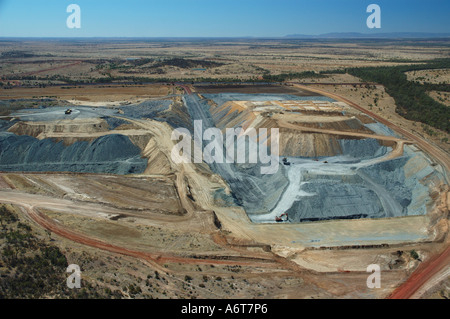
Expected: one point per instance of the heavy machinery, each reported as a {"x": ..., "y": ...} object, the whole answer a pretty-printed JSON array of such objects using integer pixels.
[
  {"x": 68, "y": 111},
  {"x": 285, "y": 161},
  {"x": 280, "y": 218}
]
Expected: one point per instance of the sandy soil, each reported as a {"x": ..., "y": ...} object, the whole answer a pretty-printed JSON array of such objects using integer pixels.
[
  {"x": 430, "y": 76},
  {"x": 91, "y": 95},
  {"x": 244, "y": 59}
]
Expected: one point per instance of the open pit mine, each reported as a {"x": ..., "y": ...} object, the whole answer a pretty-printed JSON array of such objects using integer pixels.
[{"x": 343, "y": 180}]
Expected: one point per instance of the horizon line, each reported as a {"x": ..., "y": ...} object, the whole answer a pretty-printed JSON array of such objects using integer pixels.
[{"x": 327, "y": 36}]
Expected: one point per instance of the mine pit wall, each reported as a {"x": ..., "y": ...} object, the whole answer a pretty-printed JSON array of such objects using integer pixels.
[
  {"x": 114, "y": 154},
  {"x": 37, "y": 128},
  {"x": 251, "y": 189},
  {"x": 299, "y": 144},
  {"x": 345, "y": 124},
  {"x": 259, "y": 193},
  {"x": 405, "y": 185},
  {"x": 362, "y": 148},
  {"x": 294, "y": 142},
  {"x": 256, "y": 192},
  {"x": 345, "y": 196},
  {"x": 65, "y": 130},
  {"x": 408, "y": 178}
]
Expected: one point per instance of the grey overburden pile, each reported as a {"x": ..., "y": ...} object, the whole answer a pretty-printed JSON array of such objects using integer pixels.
[{"x": 107, "y": 154}]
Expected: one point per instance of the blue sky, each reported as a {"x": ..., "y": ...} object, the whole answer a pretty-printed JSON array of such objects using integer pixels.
[{"x": 218, "y": 18}]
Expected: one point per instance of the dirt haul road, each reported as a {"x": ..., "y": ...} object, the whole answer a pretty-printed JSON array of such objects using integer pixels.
[
  {"x": 156, "y": 258},
  {"x": 436, "y": 153},
  {"x": 194, "y": 217},
  {"x": 426, "y": 272},
  {"x": 429, "y": 269}
]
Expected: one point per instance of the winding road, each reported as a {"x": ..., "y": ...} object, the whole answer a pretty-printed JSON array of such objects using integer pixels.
[
  {"x": 438, "y": 154},
  {"x": 430, "y": 269}
]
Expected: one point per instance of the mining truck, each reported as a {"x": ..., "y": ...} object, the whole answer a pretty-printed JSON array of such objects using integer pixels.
[{"x": 280, "y": 218}]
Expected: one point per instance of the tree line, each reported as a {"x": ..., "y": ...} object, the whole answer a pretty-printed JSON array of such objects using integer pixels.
[{"x": 411, "y": 97}]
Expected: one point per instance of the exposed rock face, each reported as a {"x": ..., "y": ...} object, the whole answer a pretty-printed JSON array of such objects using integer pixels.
[
  {"x": 256, "y": 192},
  {"x": 147, "y": 109},
  {"x": 172, "y": 112},
  {"x": 408, "y": 179},
  {"x": 70, "y": 151},
  {"x": 63, "y": 126},
  {"x": 362, "y": 148},
  {"x": 107, "y": 154},
  {"x": 336, "y": 199},
  {"x": 222, "y": 98},
  {"x": 5, "y": 125},
  {"x": 393, "y": 188},
  {"x": 325, "y": 176},
  {"x": 320, "y": 176},
  {"x": 113, "y": 122}
]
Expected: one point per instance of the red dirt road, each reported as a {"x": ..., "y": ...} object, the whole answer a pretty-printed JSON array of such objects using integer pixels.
[
  {"x": 436, "y": 263},
  {"x": 154, "y": 258},
  {"x": 186, "y": 88},
  {"x": 423, "y": 273}
]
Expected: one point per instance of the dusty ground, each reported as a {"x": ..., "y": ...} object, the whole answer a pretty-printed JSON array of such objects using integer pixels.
[
  {"x": 243, "y": 59},
  {"x": 98, "y": 95},
  {"x": 238, "y": 271},
  {"x": 120, "y": 276},
  {"x": 144, "y": 194},
  {"x": 429, "y": 76}
]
